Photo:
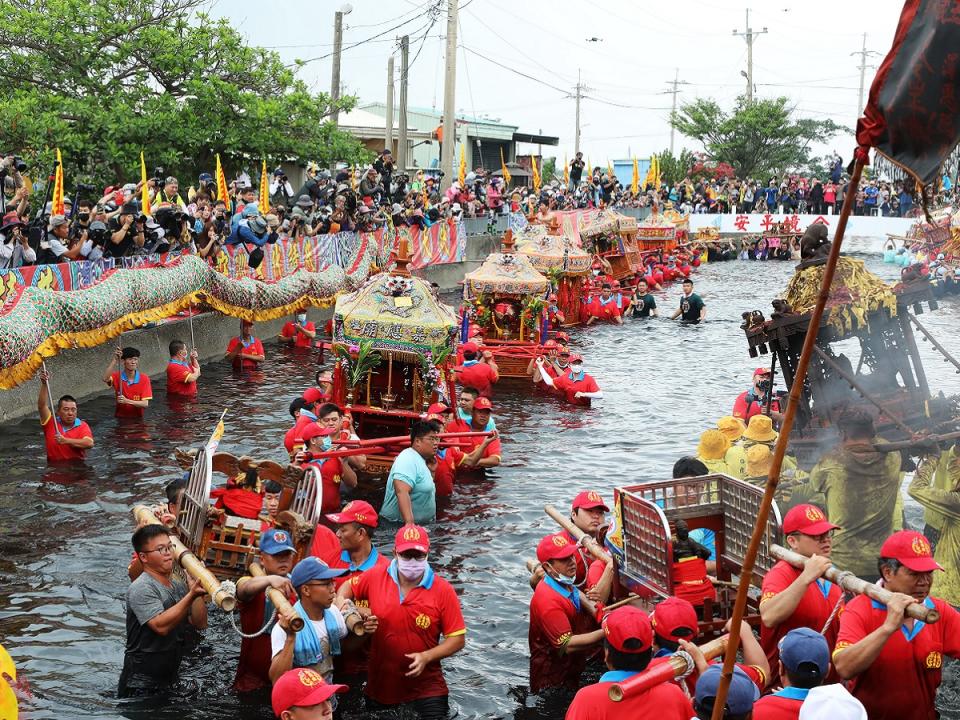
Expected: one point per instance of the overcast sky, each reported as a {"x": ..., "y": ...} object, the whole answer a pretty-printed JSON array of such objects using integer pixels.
[{"x": 805, "y": 54}]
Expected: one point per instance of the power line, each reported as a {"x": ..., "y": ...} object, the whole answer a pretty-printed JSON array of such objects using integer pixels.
[{"x": 510, "y": 69}]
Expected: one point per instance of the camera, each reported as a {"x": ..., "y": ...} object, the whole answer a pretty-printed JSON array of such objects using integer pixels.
[
  {"x": 158, "y": 174},
  {"x": 18, "y": 164},
  {"x": 764, "y": 385},
  {"x": 85, "y": 187},
  {"x": 98, "y": 233}
]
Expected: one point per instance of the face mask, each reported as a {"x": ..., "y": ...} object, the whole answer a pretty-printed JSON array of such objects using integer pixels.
[
  {"x": 301, "y": 318},
  {"x": 576, "y": 367},
  {"x": 566, "y": 579},
  {"x": 411, "y": 569}
]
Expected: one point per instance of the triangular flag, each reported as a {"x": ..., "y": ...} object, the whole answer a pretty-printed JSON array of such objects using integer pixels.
[
  {"x": 536, "y": 173},
  {"x": 264, "y": 190},
  {"x": 222, "y": 192},
  {"x": 566, "y": 171},
  {"x": 635, "y": 185},
  {"x": 503, "y": 169},
  {"x": 463, "y": 166},
  {"x": 214, "y": 442},
  {"x": 609, "y": 169},
  {"x": 144, "y": 188},
  {"x": 57, "y": 205}
]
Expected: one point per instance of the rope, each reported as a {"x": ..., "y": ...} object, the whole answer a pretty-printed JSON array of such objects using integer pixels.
[
  {"x": 266, "y": 627},
  {"x": 691, "y": 665},
  {"x": 841, "y": 577}
]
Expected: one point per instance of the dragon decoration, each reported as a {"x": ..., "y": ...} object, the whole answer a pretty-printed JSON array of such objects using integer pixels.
[{"x": 38, "y": 323}]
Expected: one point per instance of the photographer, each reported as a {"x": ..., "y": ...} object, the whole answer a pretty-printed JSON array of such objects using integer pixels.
[
  {"x": 14, "y": 194},
  {"x": 58, "y": 247},
  {"x": 754, "y": 401},
  {"x": 281, "y": 191},
  {"x": 370, "y": 188},
  {"x": 385, "y": 165},
  {"x": 209, "y": 242},
  {"x": 169, "y": 193},
  {"x": 302, "y": 218},
  {"x": 15, "y": 250},
  {"x": 127, "y": 231}
]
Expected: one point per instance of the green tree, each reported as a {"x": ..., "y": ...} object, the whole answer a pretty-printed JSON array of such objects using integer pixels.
[
  {"x": 674, "y": 168},
  {"x": 549, "y": 171},
  {"x": 104, "y": 80},
  {"x": 757, "y": 139}
]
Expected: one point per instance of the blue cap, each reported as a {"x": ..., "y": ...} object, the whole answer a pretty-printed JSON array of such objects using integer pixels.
[
  {"x": 250, "y": 210},
  {"x": 743, "y": 692},
  {"x": 274, "y": 542},
  {"x": 278, "y": 172},
  {"x": 205, "y": 177},
  {"x": 803, "y": 645},
  {"x": 313, "y": 568}
]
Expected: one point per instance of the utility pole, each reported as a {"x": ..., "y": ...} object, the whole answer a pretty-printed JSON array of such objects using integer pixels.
[
  {"x": 673, "y": 109},
  {"x": 576, "y": 141},
  {"x": 388, "y": 124},
  {"x": 749, "y": 35},
  {"x": 337, "y": 50},
  {"x": 863, "y": 53},
  {"x": 402, "y": 120},
  {"x": 449, "y": 98}
]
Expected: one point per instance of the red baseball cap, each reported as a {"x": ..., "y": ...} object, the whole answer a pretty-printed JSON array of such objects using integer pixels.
[
  {"x": 301, "y": 687},
  {"x": 628, "y": 630},
  {"x": 563, "y": 349},
  {"x": 358, "y": 511},
  {"x": 673, "y": 614},
  {"x": 563, "y": 336},
  {"x": 482, "y": 403},
  {"x": 550, "y": 344},
  {"x": 575, "y": 358},
  {"x": 761, "y": 371},
  {"x": 911, "y": 549},
  {"x": 313, "y": 395},
  {"x": 313, "y": 430},
  {"x": 555, "y": 547},
  {"x": 588, "y": 500},
  {"x": 807, "y": 519},
  {"x": 470, "y": 347},
  {"x": 411, "y": 537},
  {"x": 437, "y": 409}
]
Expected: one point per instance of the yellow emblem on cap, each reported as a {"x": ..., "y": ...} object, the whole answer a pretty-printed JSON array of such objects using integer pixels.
[
  {"x": 309, "y": 678},
  {"x": 411, "y": 534},
  {"x": 280, "y": 536},
  {"x": 814, "y": 514},
  {"x": 361, "y": 517},
  {"x": 934, "y": 661},
  {"x": 920, "y": 546},
  {"x": 559, "y": 540},
  {"x": 422, "y": 621},
  {"x": 593, "y": 497}
]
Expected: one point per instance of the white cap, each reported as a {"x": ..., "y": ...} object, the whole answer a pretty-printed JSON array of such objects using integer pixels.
[{"x": 831, "y": 702}]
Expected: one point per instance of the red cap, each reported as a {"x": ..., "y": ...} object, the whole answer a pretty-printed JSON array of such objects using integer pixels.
[
  {"x": 588, "y": 500},
  {"x": 358, "y": 511},
  {"x": 575, "y": 358},
  {"x": 807, "y": 519},
  {"x": 411, "y": 537},
  {"x": 761, "y": 371},
  {"x": 550, "y": 344},
  {"x": 555, "y": 547},
  {"x": 628, "y": 630},
  {"x": 301, "y": 687},
  {"x": 563, "y": 349},
  {"x": 671, "y": 615},
  {"x": 563, "y": 336},
  {"x": 615, "y": 284},
  {"x": 470, "y": 347},
  {"x": 911, "y": 549},
  {"x": 500, "y": 307},
  {"x": 437, "y": 409},
  {"x": 482, "y": 403},
  {"x": 313, "y": 395},
  {"x": 313, "y": 430}
]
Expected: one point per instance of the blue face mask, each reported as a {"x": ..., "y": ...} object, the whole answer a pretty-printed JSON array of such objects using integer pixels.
[
  {"x": 566, "y": 579},
  {"x": 301, "y": 319}
]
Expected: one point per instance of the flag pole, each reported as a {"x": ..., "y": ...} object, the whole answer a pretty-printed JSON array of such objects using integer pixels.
[
  {"x": 759, "y": 528},
  {"x": 193, "y": 342},
  {"x": 53, "y": 414},
  {"x": 120, "y": 365}
]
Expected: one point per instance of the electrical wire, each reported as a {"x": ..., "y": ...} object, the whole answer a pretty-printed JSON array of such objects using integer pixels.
[{"x": 515, "y": 72}]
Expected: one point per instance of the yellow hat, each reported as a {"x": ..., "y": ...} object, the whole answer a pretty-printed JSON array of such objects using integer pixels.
[
  {"x": 759, "y": 459},
  {"x": 713, "y": 445},
  {"x": 760, "y": 429},
  {"x": 732, "y": 427}
]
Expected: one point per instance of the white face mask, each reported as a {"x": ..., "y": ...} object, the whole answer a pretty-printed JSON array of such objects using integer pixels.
[
  {"x": 301, "y": 318},
  {"x": 566, "y": 579},
  {"x": 411, "y": 569},
  {"x": 577, "y": 367}
]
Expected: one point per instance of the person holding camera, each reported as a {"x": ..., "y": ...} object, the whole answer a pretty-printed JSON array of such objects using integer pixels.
[
  {"x": 754, "y": 401},
  {"x": 15, "y": 250},
  {"x": 58, "y": 246},
  {"x": 370, "y": 188},
  {"x": 281, "y": 191},
  {"x": 127, "y": 231},
  {"x": 169, "y": 193},
  {"x": 385, "y": 166},
  {"x": 15, "y": 193}
]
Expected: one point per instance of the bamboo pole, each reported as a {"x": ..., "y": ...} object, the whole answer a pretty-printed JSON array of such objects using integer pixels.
[
  {"x": 677, "y": 666},
  {"x": 918, "y": 442},
  {"x": 853, "y": 584},
  {"x": 221, "y": 593},
  {"x": 279, "y": 600},
  {"x": 592, "y": 546},
  {"x": 763, "y": 514},
  {"x": 53, "y": 413}
]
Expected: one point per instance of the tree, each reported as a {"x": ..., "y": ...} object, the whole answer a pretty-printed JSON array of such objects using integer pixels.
[
  {"x": 104, "y": 80},
  {"x": 758, "y": 139},
  {"x": 674, "y": 168},
  {"x": 549, "y": 169}
]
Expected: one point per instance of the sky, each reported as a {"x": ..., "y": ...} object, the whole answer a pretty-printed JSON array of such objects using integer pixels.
[{"x": 519, "y": 62}]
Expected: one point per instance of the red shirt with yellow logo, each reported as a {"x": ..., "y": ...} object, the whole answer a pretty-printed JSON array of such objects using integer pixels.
[
  {"x": 409, "y": 624},
  {"x": 331, "y": 472},
  {"x": 553, "y": 620},
  {"x": 903, "y": 680},
  {"x": 132, "y": 388}
]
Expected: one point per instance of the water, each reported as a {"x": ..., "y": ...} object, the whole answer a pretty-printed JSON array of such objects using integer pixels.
[{"x": 64, "y": 534}]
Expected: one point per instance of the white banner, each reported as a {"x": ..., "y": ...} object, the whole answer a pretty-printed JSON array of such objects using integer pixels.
[{"x": 859, "y": 225}]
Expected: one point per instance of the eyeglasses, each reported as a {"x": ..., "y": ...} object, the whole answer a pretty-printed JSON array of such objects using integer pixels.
[
  {"x": 819, "y": 538},
  {"x": 162, "y": 549},
  {"x": 432, "y": 438},
  {"x": 323, "y": 583}
]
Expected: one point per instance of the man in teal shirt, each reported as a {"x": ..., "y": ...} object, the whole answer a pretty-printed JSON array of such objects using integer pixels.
[{"x": 411, "y": 496}]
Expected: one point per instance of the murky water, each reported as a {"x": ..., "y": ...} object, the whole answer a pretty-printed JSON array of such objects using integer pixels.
[{"x": 64, "y": 534}]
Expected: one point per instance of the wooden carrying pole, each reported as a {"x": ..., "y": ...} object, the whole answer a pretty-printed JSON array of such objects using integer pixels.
[
  {"x": 796, "y": 387},
  {"x": 279, "y": 600},
  {"x": 679, "y": 665},
  {"x": 853, "y": 584},
  {"x": 221, "y": 593}
]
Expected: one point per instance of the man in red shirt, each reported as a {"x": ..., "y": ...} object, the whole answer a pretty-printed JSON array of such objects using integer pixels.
[
  {"x": 330, "y": 416},
  {"x": 333, "y": 471},
  {"x": 414, "y": 608},
  {"x": 804, "y": 665},
  {"x": 479, "y": 373},
  {"x": 277, "y": 554},
  {"x": 479, "y": 422},
  {"x": 245, "y": 351},
  {"x": 299, "y": 331},
  {"x": 605, "y": 307},
  {"x": 66, "y": 436},
  {"x": 792, "y": 598},
  {"x": 626, "y": 651},
  {"x": 894, "y": 662},
  {"x": 305, "y": 414},
  {"x": 754, "y": 401},
  {"x": 183, "y": 371},
  {"x": 576, "y": 385},
  {"x": 450, "y": 459},
  {"x": 562, "y": 633},
  {"x": 131, "y": 387}
]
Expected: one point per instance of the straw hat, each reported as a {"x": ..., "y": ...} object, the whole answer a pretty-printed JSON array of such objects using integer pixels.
[
  {"x": 759, "y": 459},
  {"x": 760, "y": 429},
  {"x": 731, "y": 427},
  {"x": 713, "y": 445}
]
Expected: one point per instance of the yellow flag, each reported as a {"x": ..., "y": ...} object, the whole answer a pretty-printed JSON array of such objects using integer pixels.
[
  {"x": 144, "y": 188},
  {"x": 566, "y": 171},
  {"x": 536, "y": 173},
  {"x": 463, "y": 166},
  {"x": 214, "y": 440},
  {"x": 651, "y": 177},
  {"x": 222, "y": 192},
  {"x": 503, "y": 169},
  {"x": 635, "y": 185},
  {"x": 56, "y": 207},
  {"x": 8, "y": 698},
  {"x": 353, "y": 178},
  {"x": 609, "y": 169},
  {"x": 264, "y": 190}
]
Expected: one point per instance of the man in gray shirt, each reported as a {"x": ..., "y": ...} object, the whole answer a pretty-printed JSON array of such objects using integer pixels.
[{"x": 158, "y": 610}]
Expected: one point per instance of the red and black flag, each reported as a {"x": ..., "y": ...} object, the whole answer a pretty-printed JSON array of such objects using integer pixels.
[{"x": 913, "y": 115}]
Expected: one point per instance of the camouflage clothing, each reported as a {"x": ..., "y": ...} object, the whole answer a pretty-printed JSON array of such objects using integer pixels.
[{"x": 945, "y": 504}]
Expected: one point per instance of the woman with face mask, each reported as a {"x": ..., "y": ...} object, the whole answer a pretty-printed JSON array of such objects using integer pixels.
[
  {"x": 576, "y": 385},
  {"x": 300, "y": 331},
  {"x": 562, "y": 631}
]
